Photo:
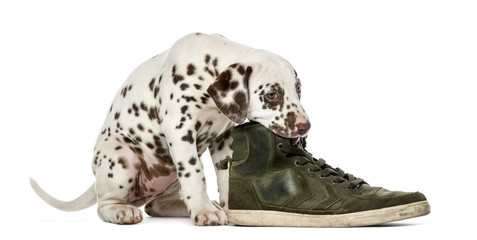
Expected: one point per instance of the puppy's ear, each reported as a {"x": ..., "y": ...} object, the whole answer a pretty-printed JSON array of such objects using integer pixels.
[{"x": 230, "y": 92}]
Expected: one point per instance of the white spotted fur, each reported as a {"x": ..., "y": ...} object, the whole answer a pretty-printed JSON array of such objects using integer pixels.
[{"x": 117, "y": 196}]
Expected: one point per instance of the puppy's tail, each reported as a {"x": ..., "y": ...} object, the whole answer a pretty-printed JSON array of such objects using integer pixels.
[{"x": 86, "y": 200}]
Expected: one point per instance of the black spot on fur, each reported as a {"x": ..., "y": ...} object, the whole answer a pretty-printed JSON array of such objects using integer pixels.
[
  {"x": 290, "y": 120},
  {"x": 192, "y": 161},
  {"x": 123, "y": 162},
  {"x": 210, "y": 72},
  {"x": 178, "y": 78},
  {"x": 184, "y": 86},
  {"x": 136, "y": 150},
  {"x": 181, "y": 167},
  {"x": 221, "y": 146},
  {"x": 184, "y": 109},
  {"x": 152, "y": 114},
  {"x": 240, "y": 97},
  {"x": 173, "y": 70},
  {"x": 241, "y": 70},
  {"x": 204, "y": 100},
  {"x": 190, "y": 69},
  {"x": 125, "y": 90},
  {"x": 197, "y": 126},
  {"x": 233, "y": 85},
  {"x": 151, "y": 84},
  {"x": 127, "y": 140},
  {"x": 223, "y": 81},
  {"x": 156, "y": 91},
  {"x": 189, "y": 98},
  {"x": 188, "y": 138},
  {"x": 135, "y": 108}
]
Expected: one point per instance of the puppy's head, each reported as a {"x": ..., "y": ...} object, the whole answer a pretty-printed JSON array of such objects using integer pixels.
[{"x": 266, "y": 91}]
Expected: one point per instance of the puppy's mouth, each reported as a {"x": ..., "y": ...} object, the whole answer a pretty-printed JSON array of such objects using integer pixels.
[
  {"x": 294, "y": 137},
  {"x": 295, "y": 140}
]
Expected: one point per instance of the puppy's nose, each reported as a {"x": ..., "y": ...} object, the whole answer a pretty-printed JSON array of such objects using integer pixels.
[{"x": 302, "y": 127}]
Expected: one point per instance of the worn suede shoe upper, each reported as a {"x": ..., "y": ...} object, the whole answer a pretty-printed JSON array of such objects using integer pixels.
[{"x": 267, "y": 172}]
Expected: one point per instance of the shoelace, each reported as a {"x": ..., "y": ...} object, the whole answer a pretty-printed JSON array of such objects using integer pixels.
[{"x": 336, "y": 175}]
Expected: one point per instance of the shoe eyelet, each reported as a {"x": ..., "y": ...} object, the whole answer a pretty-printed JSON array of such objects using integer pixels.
[
  {"x": 309, "y": 170},
  {"x": 279, "y": 145},
  {"x": 321, "y": 176},
  {"x": 296, "y": 163}
]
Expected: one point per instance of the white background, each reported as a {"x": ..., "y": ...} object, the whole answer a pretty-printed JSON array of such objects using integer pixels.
[{"x": 390, "y": 87}]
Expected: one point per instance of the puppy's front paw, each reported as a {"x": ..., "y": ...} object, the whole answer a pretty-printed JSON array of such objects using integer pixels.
[{"x": 210, "y": 217}]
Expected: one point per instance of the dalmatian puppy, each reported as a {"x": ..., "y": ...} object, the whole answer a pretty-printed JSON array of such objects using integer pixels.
[{"x": 168, "y": 112}]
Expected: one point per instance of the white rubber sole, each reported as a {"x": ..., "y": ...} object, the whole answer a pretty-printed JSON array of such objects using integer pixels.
[{"x": 365, "y": 218}]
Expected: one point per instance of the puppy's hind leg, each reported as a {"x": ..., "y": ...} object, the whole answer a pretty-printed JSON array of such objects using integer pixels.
[
  {"x": 168, "y": 204},
  {"x": 115, "y": 182}
]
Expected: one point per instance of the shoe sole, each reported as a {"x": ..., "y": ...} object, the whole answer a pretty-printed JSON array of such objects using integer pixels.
[{"x": 364, "y": 218}]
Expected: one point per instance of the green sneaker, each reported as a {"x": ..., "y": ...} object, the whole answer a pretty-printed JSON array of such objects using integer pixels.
[{"x": 275, "y": 183}]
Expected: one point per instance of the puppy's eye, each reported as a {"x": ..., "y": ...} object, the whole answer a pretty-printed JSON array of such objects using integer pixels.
[{"x": 272, "y": 96}]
